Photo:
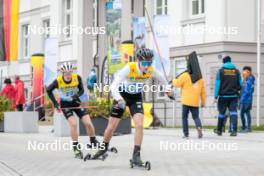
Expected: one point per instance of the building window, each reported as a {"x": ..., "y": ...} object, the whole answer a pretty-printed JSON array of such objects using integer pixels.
[
  {"x": 161, "y": 7},
  {"x": 67, "y": 18},
  {"x": 180, "y": 67},
  {"x": 46, "y": 26},
  {"x": 212, "y": 77},
  {"x": 197, "y": 7},
  {"x": 161, "y": 94},
  {"x": 25, "y": 42}
]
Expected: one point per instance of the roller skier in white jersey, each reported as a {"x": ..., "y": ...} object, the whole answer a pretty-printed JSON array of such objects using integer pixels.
[{"x": 127, "y": 90}]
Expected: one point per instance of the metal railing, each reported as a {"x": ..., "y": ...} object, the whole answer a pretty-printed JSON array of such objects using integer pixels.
[{"x": 33, "y": 102}]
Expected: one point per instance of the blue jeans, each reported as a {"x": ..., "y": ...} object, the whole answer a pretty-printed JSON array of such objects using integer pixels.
[
  {"x": 245, "y": 116},
  {"x": 195, "y": 116}
]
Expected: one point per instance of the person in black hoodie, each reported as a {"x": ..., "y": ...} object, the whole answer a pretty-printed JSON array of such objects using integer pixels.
[{"x": 227, "y": 87}]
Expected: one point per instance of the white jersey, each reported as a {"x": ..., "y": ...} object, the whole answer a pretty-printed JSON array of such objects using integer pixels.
[{"x": 130, "y": 79}]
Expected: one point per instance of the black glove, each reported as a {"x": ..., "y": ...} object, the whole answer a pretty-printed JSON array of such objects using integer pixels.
[
  {"x": 171, "y": 97},
  {"x": 170, "y": 92},
  {"x": 57, "y": 106},
  {"x": 76, "y": 99}
]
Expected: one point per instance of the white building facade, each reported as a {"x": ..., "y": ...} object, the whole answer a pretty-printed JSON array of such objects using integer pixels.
[{"x": 219, "y": 28}]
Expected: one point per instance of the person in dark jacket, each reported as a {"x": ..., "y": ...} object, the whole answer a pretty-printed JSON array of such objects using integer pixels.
[
  {"x": 20, "y": 94},
  {"x": 9, "y": 92},
  {"x": 227, "y": 86},
  {"x": 91, "y": 80},
  {"x": 246, "y": 99}
]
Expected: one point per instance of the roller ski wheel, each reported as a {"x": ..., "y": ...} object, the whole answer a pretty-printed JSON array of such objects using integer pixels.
[
  {"x": 90, "y": 157},
  {"x": 103, "y": 157},
  {"x": 87, "y": 157},
  {"x": 99, "y": 155},
  {"x": 113, "y": 149},
  {"x": 131, "y": 164},
  {"x": 146, "y": 165}
]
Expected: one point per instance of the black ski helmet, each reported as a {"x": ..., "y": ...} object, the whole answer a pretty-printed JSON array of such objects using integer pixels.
[{"x": 144, "y": 54}]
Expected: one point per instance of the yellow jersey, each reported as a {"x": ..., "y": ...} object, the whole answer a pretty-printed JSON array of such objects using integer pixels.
[{"x": 67, "y": 90}]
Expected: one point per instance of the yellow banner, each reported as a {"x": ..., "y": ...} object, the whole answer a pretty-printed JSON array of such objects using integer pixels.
[{"x": 14, "y": 30}]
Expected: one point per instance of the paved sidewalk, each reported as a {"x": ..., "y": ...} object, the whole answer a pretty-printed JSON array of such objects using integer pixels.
[{"x": 168, "y": 152}]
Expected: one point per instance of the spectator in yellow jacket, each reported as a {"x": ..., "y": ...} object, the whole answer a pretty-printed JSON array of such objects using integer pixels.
[{"x": 191, "y": 94}]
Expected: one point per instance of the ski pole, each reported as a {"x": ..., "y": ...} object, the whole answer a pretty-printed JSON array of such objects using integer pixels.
[{"x": 156, "y": 43}]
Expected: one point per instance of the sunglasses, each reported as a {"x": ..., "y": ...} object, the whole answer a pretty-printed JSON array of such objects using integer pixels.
[{"x": 146, "y": 63}]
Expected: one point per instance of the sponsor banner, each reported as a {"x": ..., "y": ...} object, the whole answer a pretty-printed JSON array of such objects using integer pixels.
[
  {"x": 139, "y": 32},
  {"x": 51, "y": 58},
  {"x": 162, "y": 50},
  {"x": 113, "y": 29}
]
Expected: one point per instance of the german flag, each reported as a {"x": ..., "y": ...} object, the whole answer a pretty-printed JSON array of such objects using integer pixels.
[{"x": 9, "y": 16}]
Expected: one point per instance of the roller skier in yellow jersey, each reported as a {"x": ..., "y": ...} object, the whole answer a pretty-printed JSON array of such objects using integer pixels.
[{"x": 70, "y": 88}]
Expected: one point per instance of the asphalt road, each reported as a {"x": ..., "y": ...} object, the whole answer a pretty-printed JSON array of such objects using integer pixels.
[{"x": 169, "y": 154}]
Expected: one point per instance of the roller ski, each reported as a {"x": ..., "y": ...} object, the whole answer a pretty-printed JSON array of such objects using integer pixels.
[
  {"x": 111, "y": 149},
  {"x": 137, "y": 162},
  {"x": 90, "y": 157},
  {"x": 100, "y": 155}
]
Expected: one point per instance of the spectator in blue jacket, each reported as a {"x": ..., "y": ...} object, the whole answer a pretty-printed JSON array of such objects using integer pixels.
[
  {"x": 90, "y": 83},
  {"x": 246, "y": 98},
  {"x": 91, "y": 80}
]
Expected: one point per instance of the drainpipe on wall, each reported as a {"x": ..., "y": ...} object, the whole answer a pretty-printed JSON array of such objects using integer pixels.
[{"x": 96, "y": 57}]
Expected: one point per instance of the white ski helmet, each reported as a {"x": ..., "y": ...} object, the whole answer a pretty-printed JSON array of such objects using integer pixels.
[{"x": 66, "y": 67}]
